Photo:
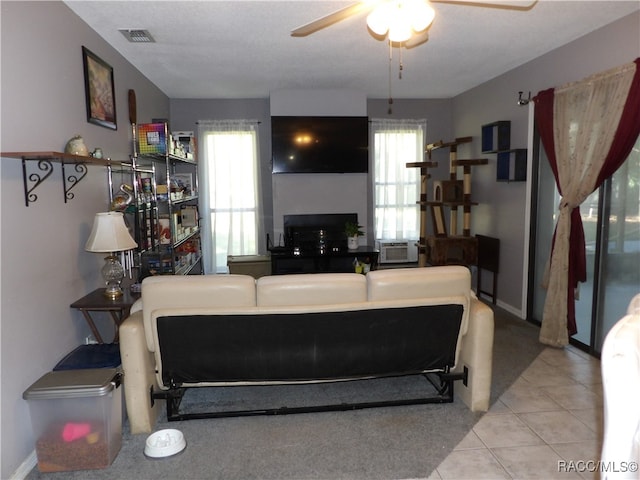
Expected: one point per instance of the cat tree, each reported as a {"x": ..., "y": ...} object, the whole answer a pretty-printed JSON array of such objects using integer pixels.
[{"x": 446, "y": 247}]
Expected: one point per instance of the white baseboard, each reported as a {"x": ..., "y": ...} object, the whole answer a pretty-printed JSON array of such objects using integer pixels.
[
  {"x": 511, "y": 309},
  {"x": 505, "y": 306},
  {"x": 23, "y": 470}
]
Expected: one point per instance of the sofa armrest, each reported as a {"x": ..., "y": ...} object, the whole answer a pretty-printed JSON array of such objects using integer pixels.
[
  {"x": 136, "y": 307},
  {"x": 138, "y": 365},
  {"x": 477, "y": 356}
]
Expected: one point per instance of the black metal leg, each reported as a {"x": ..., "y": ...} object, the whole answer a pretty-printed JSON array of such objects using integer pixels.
[{"x": 442, "y": 381}]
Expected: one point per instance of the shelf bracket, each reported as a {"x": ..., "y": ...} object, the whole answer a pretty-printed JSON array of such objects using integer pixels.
[
  {"x": 35, "y": 178},
  {"x": 32, "y": 176},
  {"x": 68, "y": 182}
]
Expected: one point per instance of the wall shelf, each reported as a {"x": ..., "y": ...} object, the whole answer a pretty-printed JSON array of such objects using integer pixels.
[
  {"x": 512, "y": 165},
  {"x": 34, "y": 177},
  {"x": 496, "y": 136}
]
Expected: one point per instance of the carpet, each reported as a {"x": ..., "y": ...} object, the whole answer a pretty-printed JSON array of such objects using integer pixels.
[{"x": 406, "y": 442}]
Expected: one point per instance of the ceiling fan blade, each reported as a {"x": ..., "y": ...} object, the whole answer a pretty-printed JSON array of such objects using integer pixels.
[
  {"x": 523, "y": 5},
  {"x": 332, "y": 18},
  {"x": 417, "y": 39}
]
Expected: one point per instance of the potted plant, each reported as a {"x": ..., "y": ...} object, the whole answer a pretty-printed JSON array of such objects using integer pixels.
[{"x": 352, "y": 231}]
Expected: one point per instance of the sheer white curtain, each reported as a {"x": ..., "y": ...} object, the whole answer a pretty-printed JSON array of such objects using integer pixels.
[
  {"x": 230, "y": 173},
  {"x": 396, "y": 187}
]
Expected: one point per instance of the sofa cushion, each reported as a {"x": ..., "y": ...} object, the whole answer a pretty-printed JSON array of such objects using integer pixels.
[
  {"x": 421, "y": 283},
  {"x": 194, "y": 291},
  {"x": 311, "y": 289},
  {"x": 428, "y": 282}
]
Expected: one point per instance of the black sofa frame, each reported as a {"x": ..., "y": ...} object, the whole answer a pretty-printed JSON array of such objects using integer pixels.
[{"x": 290, "y": 348}]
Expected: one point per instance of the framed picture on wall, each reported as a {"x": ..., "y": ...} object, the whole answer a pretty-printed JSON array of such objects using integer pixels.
[{"x": 99, "y": 90}]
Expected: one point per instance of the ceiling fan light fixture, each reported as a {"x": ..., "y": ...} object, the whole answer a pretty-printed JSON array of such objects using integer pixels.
[
  {"x": 378, "y": 19},
  {"x": 400, "y": 18},
  {"x": 399, "y": 31},
  {"x": 421, "y": 14}
]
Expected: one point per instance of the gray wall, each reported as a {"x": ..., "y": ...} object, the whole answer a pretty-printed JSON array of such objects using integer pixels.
[
  {"x": 44, "y": 265},
  {"x": 295, "y": 194},
  {"x": 275, "y": 195},
  {"x": 502, "y": 205}
]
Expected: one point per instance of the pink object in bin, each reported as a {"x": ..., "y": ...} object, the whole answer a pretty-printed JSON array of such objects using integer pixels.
[{"x": 74, "y": 431}]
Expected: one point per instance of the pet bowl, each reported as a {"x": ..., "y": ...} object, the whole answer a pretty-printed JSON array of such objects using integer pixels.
[{"x": 164, "y": 443}]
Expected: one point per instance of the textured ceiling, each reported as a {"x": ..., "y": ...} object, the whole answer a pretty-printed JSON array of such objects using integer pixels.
[{"x": 243, "y": 49}]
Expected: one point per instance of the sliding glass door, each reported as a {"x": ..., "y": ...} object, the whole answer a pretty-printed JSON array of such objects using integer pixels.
[
  {"x": 619, "y": 263},
  {"x": 611, "y": 220}
]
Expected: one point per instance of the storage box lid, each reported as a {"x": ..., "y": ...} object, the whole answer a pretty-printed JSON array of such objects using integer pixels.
[
  {"x": 99, "y": 355},
  {"x": 90, "y": 382}
]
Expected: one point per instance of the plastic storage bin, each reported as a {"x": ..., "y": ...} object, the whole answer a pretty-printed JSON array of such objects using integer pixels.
[
  {"x": 77, "y": 418},
  {"x": 99, "y": 355}
]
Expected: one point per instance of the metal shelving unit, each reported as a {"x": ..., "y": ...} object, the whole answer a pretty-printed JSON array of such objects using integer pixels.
[
  {"x": 179, "y": 251},
  {"x": 159, "y": 211}
]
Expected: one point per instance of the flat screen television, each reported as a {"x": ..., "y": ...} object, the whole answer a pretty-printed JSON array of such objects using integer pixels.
[{"x": 320, "y": 144}]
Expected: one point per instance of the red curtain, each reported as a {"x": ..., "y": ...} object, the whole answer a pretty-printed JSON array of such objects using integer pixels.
[{"x": 625, "y": 137}]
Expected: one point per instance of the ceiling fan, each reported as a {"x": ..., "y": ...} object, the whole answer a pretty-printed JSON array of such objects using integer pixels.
[{"x": 384, "y": 15}]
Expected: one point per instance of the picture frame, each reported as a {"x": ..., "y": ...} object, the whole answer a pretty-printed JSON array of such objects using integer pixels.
[
  {"x": 184, "y": 182},
  {"x": 152, "y": 138},
  {"x": 99, "y": 90}
]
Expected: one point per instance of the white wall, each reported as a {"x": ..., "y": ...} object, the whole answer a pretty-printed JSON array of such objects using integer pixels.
[
  {"x": 44, "y": 266},
  {"x": 502, "y": 205}
]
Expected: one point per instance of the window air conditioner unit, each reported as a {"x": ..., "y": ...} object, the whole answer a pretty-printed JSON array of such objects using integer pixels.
[{"x": 397, "y": 251}]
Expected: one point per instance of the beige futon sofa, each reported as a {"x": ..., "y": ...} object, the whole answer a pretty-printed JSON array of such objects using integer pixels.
[{"x": 220, "y": 330}]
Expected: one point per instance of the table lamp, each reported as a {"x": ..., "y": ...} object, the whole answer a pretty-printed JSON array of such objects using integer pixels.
[{"x": 109, "y": 235}]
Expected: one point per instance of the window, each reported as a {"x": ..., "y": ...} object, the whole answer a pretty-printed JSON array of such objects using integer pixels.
[
  {"x": 229, "y": 153},
  {"x": 396, "y": 187}
]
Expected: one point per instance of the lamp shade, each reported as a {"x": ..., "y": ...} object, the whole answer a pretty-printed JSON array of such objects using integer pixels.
[{"x": 109, "y": 234}]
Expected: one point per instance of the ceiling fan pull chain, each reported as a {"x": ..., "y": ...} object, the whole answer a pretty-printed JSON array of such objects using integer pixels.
[{"x": 400, "y": 66}]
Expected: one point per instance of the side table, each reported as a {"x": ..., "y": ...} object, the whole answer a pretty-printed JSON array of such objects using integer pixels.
[{"x": 97, "y": 302}]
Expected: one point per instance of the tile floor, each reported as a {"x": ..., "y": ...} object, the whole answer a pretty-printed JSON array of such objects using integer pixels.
[{"x": 548, "y": 424}]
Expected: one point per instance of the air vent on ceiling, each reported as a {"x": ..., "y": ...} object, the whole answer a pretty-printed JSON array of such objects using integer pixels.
[{"x": 137, "y": 36}]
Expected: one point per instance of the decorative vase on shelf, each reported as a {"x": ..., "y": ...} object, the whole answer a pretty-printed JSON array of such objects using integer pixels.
[
  {"x": 352, "y": 242},
  {"x": 76, "y": 146},
  {"x": 122, "y": 200}
]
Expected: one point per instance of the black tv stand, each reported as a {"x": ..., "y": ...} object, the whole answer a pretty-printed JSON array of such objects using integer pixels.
[
  {"x": 317, "y": 243},
  {"x": 315, "y": 261}
]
